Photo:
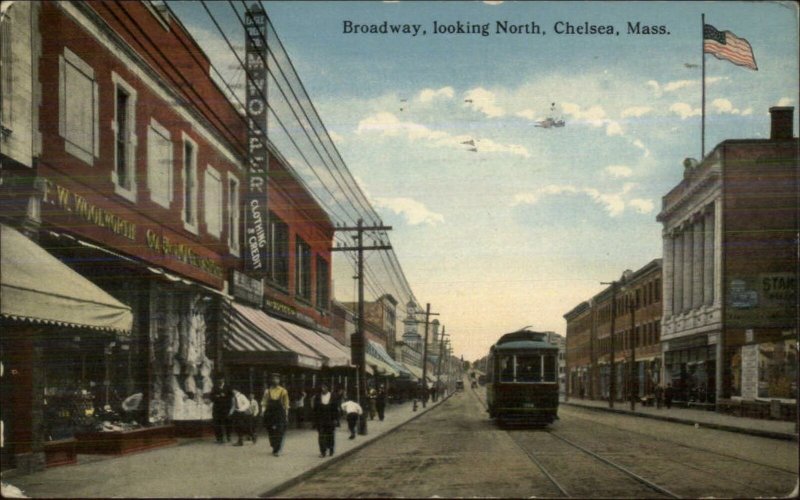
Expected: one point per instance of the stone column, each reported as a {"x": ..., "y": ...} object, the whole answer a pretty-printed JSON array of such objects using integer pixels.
[
  {"x": 697, "y": 262},
  {"x": 677, "y": 273},
  {"x": 667, "y": 269},
  {"x": 708, "y": 256},
  {"x": 687, "y": 267}
]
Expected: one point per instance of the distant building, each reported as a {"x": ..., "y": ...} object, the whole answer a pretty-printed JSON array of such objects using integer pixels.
[
  {"x": 559, "y": 340},
  {"x": 730, "y": 271}
]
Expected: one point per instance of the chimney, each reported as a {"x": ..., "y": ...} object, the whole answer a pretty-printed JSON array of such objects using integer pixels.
[{"x": 782, "y": 122}]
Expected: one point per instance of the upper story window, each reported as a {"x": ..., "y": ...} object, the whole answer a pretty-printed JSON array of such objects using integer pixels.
[
  {"x": 212, "y": 201},
  {"x": 159, "y": 164},
  {"x": 233, "y": 214},
  {"x": 303, "y": 270},
  {"x": 124, "y": 172},
  {"x": 323, "y": 283},
  {"x": 278, "y": 271},
  {"x": 189, "y": 174},
  {"x": 78, "y": 121}
]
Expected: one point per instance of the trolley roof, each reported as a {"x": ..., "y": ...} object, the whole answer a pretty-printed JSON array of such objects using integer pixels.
[{"x": 523, "y": 339}]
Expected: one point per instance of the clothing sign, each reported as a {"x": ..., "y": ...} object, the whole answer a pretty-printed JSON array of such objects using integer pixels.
[{"x": 255, "y": 208}]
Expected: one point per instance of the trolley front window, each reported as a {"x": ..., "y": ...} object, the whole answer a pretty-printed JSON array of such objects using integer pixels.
[{"x": 527, "y": 368}]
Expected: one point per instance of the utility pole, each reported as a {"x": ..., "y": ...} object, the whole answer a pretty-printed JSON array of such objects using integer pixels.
[
  {"x": 613, "y": 379},
  {"x": 428, "y": 315},
  {"x": 634, "y": 371},
  {"x": 439, "y": 363},
  {"x": 358, "y": 342}
]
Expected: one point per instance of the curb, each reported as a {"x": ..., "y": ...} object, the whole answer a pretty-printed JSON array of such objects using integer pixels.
[
  {"x": 722, "y": 427},
  {"x": 333, "y": 460}
]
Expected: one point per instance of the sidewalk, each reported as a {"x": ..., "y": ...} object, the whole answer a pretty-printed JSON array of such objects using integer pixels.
[
  {"x": 202, "y": 468},
  {"x": 775, "y": 429}
]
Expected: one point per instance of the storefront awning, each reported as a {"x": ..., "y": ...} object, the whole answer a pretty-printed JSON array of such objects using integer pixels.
[
  {"x": 415, "y": 370},
  {"x": 37, "y": 287},
  {"x": 333, "y": 356},
  {"x": 383, "y": 367},
  {"x": 255, "y": 337},
  {"x": 379, "y": 352}
]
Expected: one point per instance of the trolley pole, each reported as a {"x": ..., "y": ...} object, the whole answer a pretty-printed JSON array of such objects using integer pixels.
[{"x": 358, "y": 343}]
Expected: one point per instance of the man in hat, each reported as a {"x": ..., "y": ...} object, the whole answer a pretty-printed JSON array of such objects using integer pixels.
[
  {"x": 275, "y": 405},
  {"x": 221, "y": 403}
]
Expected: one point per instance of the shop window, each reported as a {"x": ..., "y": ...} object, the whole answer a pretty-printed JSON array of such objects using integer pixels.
[
  {"x": 777, "y": 370},
  {"x": 303, "y": 270},
  {"x": 323, "y": 285},
  {"x": 78, "y": 118},
  {"x": 278, "y": 251},
  {"x": 189, "y": 184},
  {"x": 159, "y": 164},
  {"x": 233, "y": 214},
  {"x": 212, "y": 201},
  {"x": 123, "y": 175}
]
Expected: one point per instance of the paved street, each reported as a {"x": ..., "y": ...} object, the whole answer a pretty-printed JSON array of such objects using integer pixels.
[{"x": 456, "y": 451}]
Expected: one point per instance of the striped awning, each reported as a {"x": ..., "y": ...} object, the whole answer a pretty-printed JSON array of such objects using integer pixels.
[
  {"x": 36, "y": 287},
  {"x": 379, "y": 352},
  {"x": 415, "y": 370},
  {"x": 252, "y": 337},
  {"x": 333, "y": 356}
]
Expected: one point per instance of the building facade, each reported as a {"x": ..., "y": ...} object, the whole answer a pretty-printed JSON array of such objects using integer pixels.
[
  {"x": 730, "y": 271},
  {"x": 631, "y": 308}
]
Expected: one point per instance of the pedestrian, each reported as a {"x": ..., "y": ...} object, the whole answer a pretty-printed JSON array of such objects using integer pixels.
[
  {"x": 659, "y": 396},
  {"x": 254, "y": 413},
  {"x": 668, "y": 393},
  {"x": 352, "y": 411},
  {"x": 297, "y": 408},
  {"x": 275, "y": 404},
  {"x": 372, "y": 404},
  {"x": 325, "y": 412},
  {"x": 221, "y": 402},
  {"x": 380, "y": 403},
  {"x": 240, "y": 416}
]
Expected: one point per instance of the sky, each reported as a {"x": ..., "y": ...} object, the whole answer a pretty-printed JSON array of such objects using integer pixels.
[{"x": 522, "y": 230}]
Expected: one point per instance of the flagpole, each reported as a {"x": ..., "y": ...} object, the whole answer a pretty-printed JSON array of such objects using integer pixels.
[{"x": 703, "y": 85}]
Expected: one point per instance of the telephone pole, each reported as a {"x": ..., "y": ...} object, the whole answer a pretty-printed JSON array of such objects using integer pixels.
[
  {"x": 358, "y": 342},
  {"x": 613, "y": 379},
  {"x": 428, "y": 315},
  {"x": 439, "y": 361}
]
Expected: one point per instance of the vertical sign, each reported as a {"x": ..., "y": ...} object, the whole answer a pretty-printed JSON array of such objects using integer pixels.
[{"x": 255, "y": 209}]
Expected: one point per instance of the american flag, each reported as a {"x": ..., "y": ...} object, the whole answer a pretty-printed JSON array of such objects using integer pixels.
[{"x": 726, "y": 45}]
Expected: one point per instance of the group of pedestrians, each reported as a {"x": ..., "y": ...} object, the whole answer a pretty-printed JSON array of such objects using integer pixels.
[{"x": 232, "y": 410}]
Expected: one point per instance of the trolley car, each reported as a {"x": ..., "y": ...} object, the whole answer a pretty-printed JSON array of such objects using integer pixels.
[{"x": 522, "y": 379}]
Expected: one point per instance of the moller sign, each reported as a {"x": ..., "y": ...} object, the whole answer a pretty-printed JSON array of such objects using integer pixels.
[{"x": 255, "y": 209}]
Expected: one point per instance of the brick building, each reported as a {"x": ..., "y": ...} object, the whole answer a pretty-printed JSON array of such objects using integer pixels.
[
  {"x": 730, "y": 272},
  {"x": 635, "y": 353}
]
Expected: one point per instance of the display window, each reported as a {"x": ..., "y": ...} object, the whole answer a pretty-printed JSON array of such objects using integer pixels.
[
  {"x": 777, "y": 369},
  {"x": 89, "y": 385}
]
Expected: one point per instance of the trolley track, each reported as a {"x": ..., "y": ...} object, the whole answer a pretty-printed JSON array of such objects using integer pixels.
[{"x": 625, "y": 471}]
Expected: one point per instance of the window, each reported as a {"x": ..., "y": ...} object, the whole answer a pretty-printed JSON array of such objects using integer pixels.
[
  {"x": 78, "y": 107},
  {"x": 323, "y": 290},
  {"x": 159, "y": 164},
  {"x": 529, "y": 368},
  {"x": 189, "y": 184},
  {"x": 233, "y": 214},
  {"x": 124, "y": 126},
  {"x": 212, "y": 203},
  {"x": 658, "y": 290},
  {"x": 6, "y": 74},
  {"x": 278, "y": 251},
  {"x": 302, "y": 273}
]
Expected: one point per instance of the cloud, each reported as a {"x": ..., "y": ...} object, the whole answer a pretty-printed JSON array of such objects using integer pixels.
[
  {"x": 594, "y": 116},
  {"x": 415, "y": 212},
  {"x": 388, "y": 125},
  {"x": 635, "y": 111},
  {"x": 484, "y": 101},
  {"x": 679, "y": 84},
  {"x": 641, "y": 205},
  {"x": 724, "y": 106},
  {"x": 619, "y": 171},
  {"x": 684, "y": 110},
  {"x": 613, "y": 128},
  {"x": 675, "y": 85},
  {"x": 639, "y": 144},
  {"x": 785, "y": 101},
  {"x": 336, "y": 138},
  {"x": 428, "y": 95},
  {"x": 612, "y": 202},
  {"x": 528, "y": 114}
]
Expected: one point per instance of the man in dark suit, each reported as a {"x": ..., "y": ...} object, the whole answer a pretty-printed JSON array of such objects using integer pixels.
[{"x": 221, "y": 404}]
